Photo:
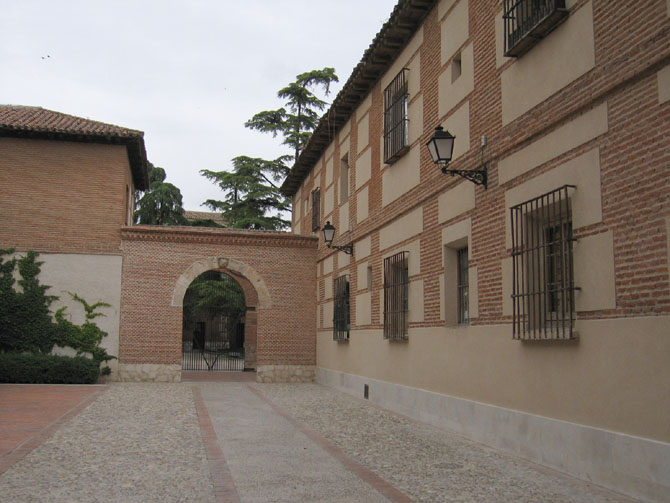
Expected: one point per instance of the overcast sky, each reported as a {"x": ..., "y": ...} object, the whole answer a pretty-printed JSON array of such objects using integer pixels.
[{"x": 188, "y": 73}]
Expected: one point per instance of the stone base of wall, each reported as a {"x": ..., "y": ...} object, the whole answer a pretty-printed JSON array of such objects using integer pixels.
[
  {"x": 285, "y": 373},
  {"x": 151, "y": 372},
  {"x": 634, "y": 466}
]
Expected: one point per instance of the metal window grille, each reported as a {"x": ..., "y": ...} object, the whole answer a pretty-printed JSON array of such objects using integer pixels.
[
  {"x": 396, "y": 118},
  {"x": 463, "y": 291},
  {"x": 341, "y": 320},
  {"x": 396, "y": 296},
  {"x": 543, "y": 272},
  {"x": 529, "y": 21},
  {"x": 316, "y": 210}
]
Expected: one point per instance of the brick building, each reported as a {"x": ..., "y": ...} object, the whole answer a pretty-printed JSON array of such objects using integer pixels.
[
  {"x": 531, "y": 313},
  {"x": 68, "y": 186},
  {"x": 67, "y": 190}
]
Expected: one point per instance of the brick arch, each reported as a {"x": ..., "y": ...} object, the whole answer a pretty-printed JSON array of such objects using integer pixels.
[
  {"x": 233, "y": 266},
  {"x": 159, "y": 264}
]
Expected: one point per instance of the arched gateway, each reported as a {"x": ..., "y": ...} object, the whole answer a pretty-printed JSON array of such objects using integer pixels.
[
  {"x": 274, "y": 270},
  {"x": 209, "y": 348}
]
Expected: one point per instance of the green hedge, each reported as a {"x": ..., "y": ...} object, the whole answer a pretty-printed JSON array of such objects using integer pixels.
[{"x": 47, "y": 369}]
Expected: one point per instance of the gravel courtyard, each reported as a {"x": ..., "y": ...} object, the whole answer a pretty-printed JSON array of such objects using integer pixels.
[{"x": 278, "y": 442}]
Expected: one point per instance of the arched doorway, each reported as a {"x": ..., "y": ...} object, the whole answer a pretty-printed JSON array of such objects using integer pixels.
[{"x": 213, "y": 323}]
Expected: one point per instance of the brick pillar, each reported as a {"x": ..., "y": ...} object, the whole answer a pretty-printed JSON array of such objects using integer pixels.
[{"x": 250, "y": 325}]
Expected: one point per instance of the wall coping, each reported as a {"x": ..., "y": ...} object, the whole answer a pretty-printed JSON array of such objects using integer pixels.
[{"x": 177, "y": 234}]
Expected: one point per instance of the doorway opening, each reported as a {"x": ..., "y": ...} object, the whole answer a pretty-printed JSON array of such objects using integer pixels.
[{"x": 214, "y": 324}]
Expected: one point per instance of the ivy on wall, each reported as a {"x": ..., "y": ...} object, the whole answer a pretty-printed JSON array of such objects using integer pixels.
[{"x": 26, "y": 324}]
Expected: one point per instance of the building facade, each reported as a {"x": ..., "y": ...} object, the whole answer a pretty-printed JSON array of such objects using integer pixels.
[
  {"x": 530, "y": 313},
  {"x": 68, "y": 188}
]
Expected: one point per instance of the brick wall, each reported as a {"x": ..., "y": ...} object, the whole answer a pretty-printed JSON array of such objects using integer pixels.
[
  {"x": 631, "y": 45},
  {"x": 63, "y": 197},
  {"x": 154, "y": 260}
]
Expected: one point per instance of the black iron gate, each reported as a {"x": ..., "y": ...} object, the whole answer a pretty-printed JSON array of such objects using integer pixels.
[{"x": 213, "y": 332}]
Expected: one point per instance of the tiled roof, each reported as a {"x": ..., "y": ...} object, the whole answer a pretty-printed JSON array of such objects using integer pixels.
[
  {"x": 40, "y": 119},
  {"x": 387, "y": 45},
  {"x": 37, "y": 122}
]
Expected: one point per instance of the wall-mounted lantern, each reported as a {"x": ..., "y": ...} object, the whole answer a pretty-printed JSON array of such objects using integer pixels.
[
  {"x": 441, "y": 148},
  {"x": 328, "y": 235}
]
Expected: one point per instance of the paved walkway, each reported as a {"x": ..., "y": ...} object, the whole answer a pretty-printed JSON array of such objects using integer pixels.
[
  {"x": 29, "y": 414},
  {"x": 246, "y": 442}
]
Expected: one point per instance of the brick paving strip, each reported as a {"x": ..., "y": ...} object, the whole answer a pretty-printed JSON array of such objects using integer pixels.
[
  {"x": 367, "y": 475},
  {"x": 224, "y": 486},
  {"x": 31, "y": 413}
]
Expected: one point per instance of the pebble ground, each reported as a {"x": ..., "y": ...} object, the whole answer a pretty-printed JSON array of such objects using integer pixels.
[
  {"x": 135, "y": 443},
  {"x": 143, "y": 443},
  {"x": 428, "y": 464}
]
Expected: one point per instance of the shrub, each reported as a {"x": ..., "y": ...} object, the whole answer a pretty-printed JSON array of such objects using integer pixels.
[
  {"x": 25, "y": 321},
  {"x": 26, "y": 325},
  {"x": 47, "y": 369}
]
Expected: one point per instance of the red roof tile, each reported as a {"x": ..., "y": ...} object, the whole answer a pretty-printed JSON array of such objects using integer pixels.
[{"x": 26, "y": 118}]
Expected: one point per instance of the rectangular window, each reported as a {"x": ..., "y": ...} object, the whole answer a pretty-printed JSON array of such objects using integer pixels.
[
  {"x": 455, "y": 67},
  {"x": 344, "y": 179},
  {"x": 341, "y": 320},
  {"x": 396, "y": 297},
  {"x": 316, "y": 209},
  {"x": 129, "y": 206},
  {"x": 529, "y": 21},
  {"x": 543, "y": 282},
  {"x": 396, "y": 118},
  {"x": 462, "y": 287}
]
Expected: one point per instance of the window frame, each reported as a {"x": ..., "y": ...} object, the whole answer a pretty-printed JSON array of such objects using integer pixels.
[
  {"x": 463, "y": 286},
  {"x": 316, "y": 209},
  {"x": 543, "y": 304},
  {"x": 396, "y": 117},
  {"x": 526, "y": 22},
  {"x": 396, "y": 296},
  {"x": 341, "y": 308},
  {"x": 344, "y": 178}
]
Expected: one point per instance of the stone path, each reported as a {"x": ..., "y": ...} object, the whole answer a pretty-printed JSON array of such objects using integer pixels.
[
  {"x": 31, "y": 414},
  {"x": 246, "y": 442}
]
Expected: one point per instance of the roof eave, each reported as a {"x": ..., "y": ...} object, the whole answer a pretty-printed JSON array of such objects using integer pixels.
[{"x": 387, "y": 45}]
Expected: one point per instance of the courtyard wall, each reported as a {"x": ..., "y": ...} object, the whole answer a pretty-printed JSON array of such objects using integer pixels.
[{"x": 160, "y": 262}]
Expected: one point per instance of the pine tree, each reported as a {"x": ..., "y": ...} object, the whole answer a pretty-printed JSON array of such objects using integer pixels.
[
  {"x": 252, "y": 199},
  {"x": 162, "y": 203}
]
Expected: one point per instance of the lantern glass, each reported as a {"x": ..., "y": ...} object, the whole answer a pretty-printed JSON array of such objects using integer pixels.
[
  {"x": 441, "y": 145},
  {"x": 328, "y": 233}
]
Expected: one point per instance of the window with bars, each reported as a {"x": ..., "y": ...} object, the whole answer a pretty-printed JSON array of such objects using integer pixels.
[
  {"x": 344, "y": 179},
  {"x": 543, "y": 293},
  {"x": 341, "y": 320},
  {"x": 529, "y": 21},
  {"x": 396, "y": 296},
  {"x": 396, "y": 118},
  {"x": 462, "y": 287},
  {"x": 316, "y": 209}
]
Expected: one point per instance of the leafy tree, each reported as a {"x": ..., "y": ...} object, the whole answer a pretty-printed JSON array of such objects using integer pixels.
[
  {"x": 213, "y": 294},
  {"x": 252, "y": 199},
  {"x": 251, "y": 189},
  {"x": 296, "y": 121},
  {"x": 162, "y": 203}
]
